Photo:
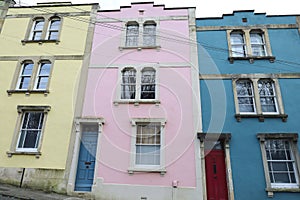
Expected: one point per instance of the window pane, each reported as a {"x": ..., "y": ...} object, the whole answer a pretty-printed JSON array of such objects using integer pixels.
[
  {"x": 30, "y": 140},
  {"x": 281, "y": 166},
  {"x": 238, "y": 46},
  {"x": 132, "y": 33},
  {"x": 55, "y": 24},
  {"x": 257, "y": 44},
  {"x": 39, "y": 25},
  {"x": 267, "y": 95},
  {"x": 30, "y": 129},
  {"x": 148, "y": 144},
  {"x": 27, "y": 69},
  {"x": 24, "y": 83},
  {"x": 148, "y": 84},
  {"x": 37, "y": 36},
  {"x": 245, "y": 96},
  {"x": 147, "y": 155},
  {"x": 43, "y": 76},
  {"x": 53, "y": 35},
  {"x": 128, "y": 86},
  {"x": 149, "y": 37}
]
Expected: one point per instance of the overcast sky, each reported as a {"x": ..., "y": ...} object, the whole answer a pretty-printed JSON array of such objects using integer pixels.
[{"x": 205, "y": 8}]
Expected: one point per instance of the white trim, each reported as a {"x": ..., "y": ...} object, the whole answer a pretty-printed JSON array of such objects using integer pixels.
[{"x": 137, "y": 99}]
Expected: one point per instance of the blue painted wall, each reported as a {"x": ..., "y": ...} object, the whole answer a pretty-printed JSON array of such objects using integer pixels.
[{"x": 217, "y": 98}]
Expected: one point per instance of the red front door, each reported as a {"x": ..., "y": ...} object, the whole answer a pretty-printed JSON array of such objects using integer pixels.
[{"x": 216, "y": 185}]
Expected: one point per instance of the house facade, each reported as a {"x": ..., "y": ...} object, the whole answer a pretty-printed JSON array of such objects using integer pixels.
[
  {"x": 41, "y": 62},
  {"x": 136, "y": 138},
  {"x": 249, "y": 75}
]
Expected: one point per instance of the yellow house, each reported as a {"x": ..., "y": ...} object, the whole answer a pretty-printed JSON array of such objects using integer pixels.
[{"x": 43, "y": 65}]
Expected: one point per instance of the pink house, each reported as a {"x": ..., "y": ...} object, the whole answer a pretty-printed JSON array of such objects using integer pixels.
[{"x": 136, "y": 138}]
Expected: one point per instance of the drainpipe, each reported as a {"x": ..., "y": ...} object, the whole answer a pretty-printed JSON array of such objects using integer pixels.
[
  {"x": 21, "y": 181},
  {"x": 174, "y": 189}
]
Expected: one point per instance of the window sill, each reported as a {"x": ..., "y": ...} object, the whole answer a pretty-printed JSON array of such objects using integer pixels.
[
  {"x": 39, "y": 41},
  {"x": 28, "y": 92},
  {"x": 139, "y": 48},
  {"x": 11, "y": 153},
  {"x": 252, "y": 58},
  {"x": 162, "y": 171},
  {"x": 136, "y": 102},
  {"x": 261, "y": 117},
  {"x": 272, "y": 190}
]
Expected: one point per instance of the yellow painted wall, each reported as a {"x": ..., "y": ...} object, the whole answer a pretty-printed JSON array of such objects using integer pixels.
[{"x": 63, "y": 88}]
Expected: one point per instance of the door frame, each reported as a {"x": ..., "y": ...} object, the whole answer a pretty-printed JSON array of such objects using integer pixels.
[
  {"x": 79, "y": 123},
  {"x": 224, "y": 138}
]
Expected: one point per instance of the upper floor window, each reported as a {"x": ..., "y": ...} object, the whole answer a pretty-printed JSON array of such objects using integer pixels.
[
  {"x": 149, "y": 36},
  {"x": 25, "y": 75},
  {"x": 46, "y": 28},
  {"x": 53, "y": 30},
  {"x": 141, "y": 35},
  {"x": 258, "y": 45},
  {"x": 32, "y": 75},
  {"x": 43, "y": 75},
  {"x": 267, "y": 96},
  {"x": 245, "y": 95},
  {"x": 132, "y": 34},
  {"x": 238, "y": 44},
  {"x": 128, "y": 87},
  {"x": 249, "y": 44},
  {"x": 37, "y": 29},
  {"x": 138, "y": 84},
  {"x": 148, "y": 83},
  {"x": 258, "y": 97}
]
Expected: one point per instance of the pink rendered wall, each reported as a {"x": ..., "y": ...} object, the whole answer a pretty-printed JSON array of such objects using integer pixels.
[{"x": 175, "y": 95}]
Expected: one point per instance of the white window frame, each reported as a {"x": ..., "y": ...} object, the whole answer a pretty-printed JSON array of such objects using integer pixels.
[
  {"x": 45, "y": 30},
  {"x": 39, "y": 75},
  {"x": 139, "y": 69},
  {"x": 131, "y": 35},
  {"x": 258, "y": 107},
  {"x": 33, "y": 31},
  {"x": 253, "y": 96},
  {"x": 246, "y": 32},
  {"x": 281, "y": 187},
  {"x": 147, "y": 168},
  {"x": 263, "y": 42},
  {"x": 145, "y": 34},
  {"x": 34, "y": 77},
  {"x": 141, "y": 22},
  {"x": 22, "y": 110},
  {"x": 26, "y": 130},
  {"x": 242, "y": 45},
  {"x": 273, "y": 96},
  {"x": 21, "y": 75},
  {"x": 49, "y": 30}
]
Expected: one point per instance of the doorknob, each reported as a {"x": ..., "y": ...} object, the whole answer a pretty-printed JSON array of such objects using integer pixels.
[{"x": 87, "y": 163}]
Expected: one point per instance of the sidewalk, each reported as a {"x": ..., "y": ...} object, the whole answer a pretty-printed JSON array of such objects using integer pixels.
[{"x": 9, "y": 192}]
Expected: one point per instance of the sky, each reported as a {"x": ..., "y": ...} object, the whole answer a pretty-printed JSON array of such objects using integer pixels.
[{"x": 204, "y": 8}]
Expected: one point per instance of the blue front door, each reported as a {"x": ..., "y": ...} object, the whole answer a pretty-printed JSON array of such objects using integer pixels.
[{"x": 86, "y": 161}]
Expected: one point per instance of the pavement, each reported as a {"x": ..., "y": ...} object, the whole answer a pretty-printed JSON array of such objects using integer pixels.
[{"x": 9, "y": 192}]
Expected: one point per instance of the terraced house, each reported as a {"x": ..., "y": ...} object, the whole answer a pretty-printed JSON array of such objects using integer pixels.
[
  {"x": 42, "y": 57},
  {"x": 136, "y": 136},
  {"x": 249, "y": 77}
]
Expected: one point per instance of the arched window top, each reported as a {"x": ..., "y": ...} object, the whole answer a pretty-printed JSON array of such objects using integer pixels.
[
  {"x": 39, "y": 18},
  {"x": 26, "y": 61},
  {"x": 257, "y": 31},
  {"x": 148, "y": 69},
  {"x": 150, "y": 23},
  {"x": 132, "y": 23},
  {"x": 126, "y": 69}
]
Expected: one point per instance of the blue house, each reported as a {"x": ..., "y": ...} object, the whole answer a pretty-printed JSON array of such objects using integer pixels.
[{"x": 249, "y": 66}]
